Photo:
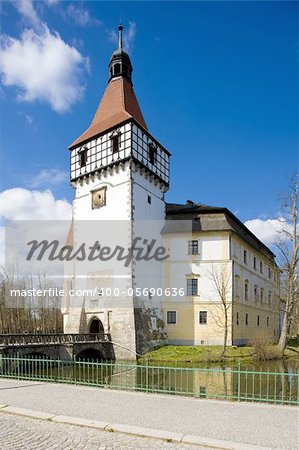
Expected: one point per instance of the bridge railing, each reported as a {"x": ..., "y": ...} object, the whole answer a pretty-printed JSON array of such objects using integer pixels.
[{"x": 13, "y": 340}]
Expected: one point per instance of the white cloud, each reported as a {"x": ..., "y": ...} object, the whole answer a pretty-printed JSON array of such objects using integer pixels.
[
  {"x": 81, "y": 16},
  {"x": 23, "y": 204},
  {"x": 269, "y": 231},
  {"x": 48, "y": 177},
  {"x": 129, "y": 36},
  {"x": 43, "y": 67},
  {"x": 29, "y": 119},
  {"x": 30, "y": 206},
  {"x": 27, "y": 11}
]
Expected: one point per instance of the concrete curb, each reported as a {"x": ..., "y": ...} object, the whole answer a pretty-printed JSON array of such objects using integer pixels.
[{"x": 132, "y": 430}]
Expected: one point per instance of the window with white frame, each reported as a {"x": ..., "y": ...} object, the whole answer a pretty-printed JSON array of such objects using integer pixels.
[
  {"x": 256, "y": 295},
  {"x": 192, "y": 286},
  {"x": 203, "y": 317},
  {"x": 193, "y": 247},
  {"x": 246, "y": 290},
  {"x": 171, "y": 317}
]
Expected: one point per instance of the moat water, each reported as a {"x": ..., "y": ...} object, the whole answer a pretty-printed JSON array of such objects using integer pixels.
[{"x": 266, "y": 381}]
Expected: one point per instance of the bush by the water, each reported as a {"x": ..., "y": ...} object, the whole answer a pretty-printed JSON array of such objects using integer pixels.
[{"x": 263, "y": 348}]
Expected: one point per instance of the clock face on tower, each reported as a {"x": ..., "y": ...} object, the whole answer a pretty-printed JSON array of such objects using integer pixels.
[{"x": 98, "y": 198}]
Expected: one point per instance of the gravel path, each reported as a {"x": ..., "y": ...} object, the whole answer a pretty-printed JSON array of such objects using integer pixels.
[{"x": 21, "y": 433}]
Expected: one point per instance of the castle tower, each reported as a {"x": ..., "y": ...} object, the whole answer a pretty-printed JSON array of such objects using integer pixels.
[{"x": 120, "y": 174}]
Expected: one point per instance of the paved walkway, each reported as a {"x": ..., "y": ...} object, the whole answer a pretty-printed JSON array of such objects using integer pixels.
[{"x": 258, "y": 425}]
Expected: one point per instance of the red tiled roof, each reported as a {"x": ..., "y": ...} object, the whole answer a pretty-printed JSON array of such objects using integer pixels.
[{"x": 118, "y": 104}]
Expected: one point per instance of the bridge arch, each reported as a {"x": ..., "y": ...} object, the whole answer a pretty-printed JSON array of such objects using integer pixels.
[{"x": 91, "y": 354}]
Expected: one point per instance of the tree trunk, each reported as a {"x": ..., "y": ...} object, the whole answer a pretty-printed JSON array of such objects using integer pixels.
[
  {"x": 225, "y": 332},
  {"x": 283, "y": 335}
]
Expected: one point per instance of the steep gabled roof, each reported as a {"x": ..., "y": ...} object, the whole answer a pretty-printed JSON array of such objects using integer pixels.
[{"x": 118, "y": 104}]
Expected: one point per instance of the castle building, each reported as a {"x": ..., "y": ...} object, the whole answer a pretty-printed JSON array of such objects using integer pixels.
[{"x": 120, "y": 173}]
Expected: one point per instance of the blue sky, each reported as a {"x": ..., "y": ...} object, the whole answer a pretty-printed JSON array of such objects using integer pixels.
[{"x": 217, "y": 83}]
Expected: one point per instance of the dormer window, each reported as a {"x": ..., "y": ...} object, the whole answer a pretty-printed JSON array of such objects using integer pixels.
[
  {"x": 115, "y": 141},
  {"x": 83, "y": 157},
  {"x": 152, "y": 153}
]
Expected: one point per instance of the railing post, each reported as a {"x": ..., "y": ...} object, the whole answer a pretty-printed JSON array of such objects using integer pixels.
[
  {"x": 239, "y": 381},
  {"x": 18, "y": 365},
  {"x": 75, "y": 369},
  {"x": 147, "y": 377}
]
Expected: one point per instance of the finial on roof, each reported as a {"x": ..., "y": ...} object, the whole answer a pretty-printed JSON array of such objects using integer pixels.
[
  {"x": 120, "y": 64},
  {"x": 120, "y": 36}
]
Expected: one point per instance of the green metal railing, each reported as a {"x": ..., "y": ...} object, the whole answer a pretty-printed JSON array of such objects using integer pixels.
[{"x": 231, "y": 383}]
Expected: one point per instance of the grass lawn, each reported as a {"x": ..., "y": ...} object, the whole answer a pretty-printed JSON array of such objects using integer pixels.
[{"x": 210, "y": 354}]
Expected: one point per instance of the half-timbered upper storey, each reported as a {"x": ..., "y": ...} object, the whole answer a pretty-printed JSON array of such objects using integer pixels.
[{"x": 127, "y": 141}]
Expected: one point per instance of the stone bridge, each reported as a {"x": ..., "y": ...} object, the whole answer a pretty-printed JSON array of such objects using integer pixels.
[{"x": 59, "y": 346}]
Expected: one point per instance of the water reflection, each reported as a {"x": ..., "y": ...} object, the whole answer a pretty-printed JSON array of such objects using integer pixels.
[{"x": 271, "y": 381}]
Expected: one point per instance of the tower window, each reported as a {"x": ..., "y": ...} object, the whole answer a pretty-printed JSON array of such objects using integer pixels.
[
  {"x": 149, "y": 199},
  {"x": 258, "y": 320},
  {"x": 152, "y": 153},
  {"x": 203, "y": 317},
  {"x": 237, "y": 318},
  {"x": 117, "y": 69},
  {"x": 246, "y": 319},
  {"x": 83, "y": 157},
  {"x": 267, "y": 321},
  {"x": 245, "y": 257},
  {"x": 115, "y": 143},
  {"x": 171, "y": 317}
]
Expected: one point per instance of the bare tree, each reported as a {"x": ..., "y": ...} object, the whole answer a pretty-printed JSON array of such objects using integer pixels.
[
  {"x": 288, "y": 246},
  {"x": 27, "y": 314},
  {"x": 221, "y": 279}
]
